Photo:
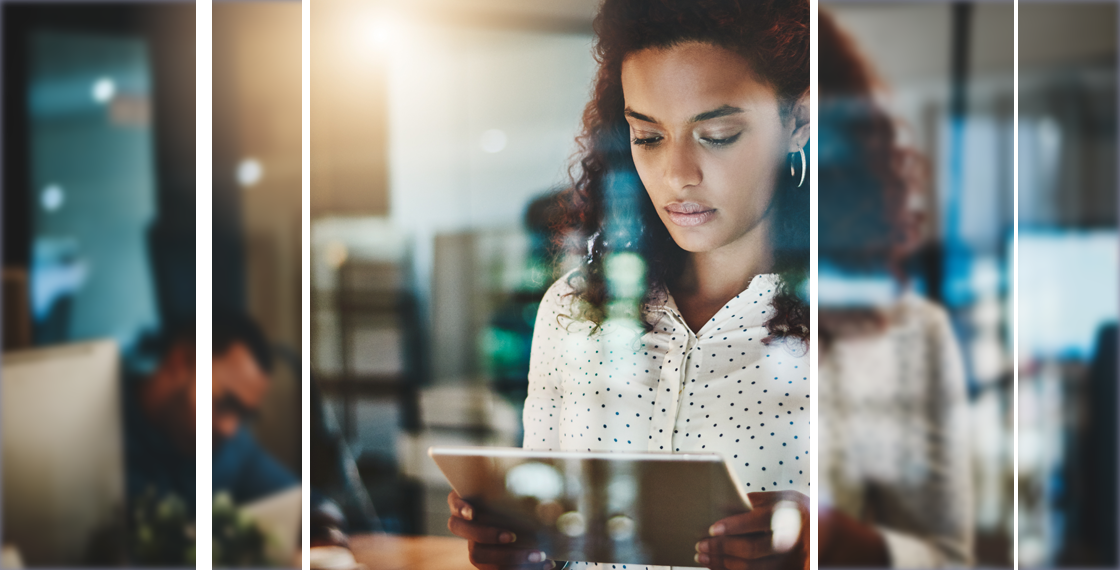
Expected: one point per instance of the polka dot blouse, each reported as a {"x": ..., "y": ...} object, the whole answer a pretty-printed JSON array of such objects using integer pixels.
[{"x": 719, "y": 389}]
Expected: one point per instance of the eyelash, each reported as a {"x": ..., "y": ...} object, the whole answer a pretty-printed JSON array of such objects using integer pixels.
[
  {"x": 713, "y": 142},
  {"x": 722, "y": 142}
]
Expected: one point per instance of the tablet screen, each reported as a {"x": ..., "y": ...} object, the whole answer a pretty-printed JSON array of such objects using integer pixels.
[{"x": 625, "y": 508}]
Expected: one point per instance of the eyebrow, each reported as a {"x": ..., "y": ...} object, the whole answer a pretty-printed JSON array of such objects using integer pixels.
[{"x": 723, "y": 111}]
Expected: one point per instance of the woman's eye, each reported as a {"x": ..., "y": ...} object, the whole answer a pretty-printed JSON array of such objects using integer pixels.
[
  {"x": 713, "y": 141},
  {"x": 640, "y": 141}
]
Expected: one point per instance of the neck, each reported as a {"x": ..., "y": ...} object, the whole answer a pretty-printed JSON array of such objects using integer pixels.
[{"x": 717, "y": 276}]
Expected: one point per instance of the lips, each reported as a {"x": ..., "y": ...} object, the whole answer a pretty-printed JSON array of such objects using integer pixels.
[{"x": 689, "y": 214}]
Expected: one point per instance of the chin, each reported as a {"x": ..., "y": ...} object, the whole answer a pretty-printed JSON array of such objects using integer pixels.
[{"x": 695, "y": 241}]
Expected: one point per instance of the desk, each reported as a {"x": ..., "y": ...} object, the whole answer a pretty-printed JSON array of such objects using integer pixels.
[{"x": 393, "y": 552}]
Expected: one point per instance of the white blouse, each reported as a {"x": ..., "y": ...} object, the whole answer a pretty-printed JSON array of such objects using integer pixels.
[
  {"x": 894, "y": 436},
  {"x": 720, "y": 389}
]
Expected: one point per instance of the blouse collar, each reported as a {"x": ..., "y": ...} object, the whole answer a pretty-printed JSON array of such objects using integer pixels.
[{"x": 763, "y": 284}]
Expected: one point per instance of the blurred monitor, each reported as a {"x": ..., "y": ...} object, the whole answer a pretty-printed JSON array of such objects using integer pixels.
[
  {"x": 63, "y": 451},
  {"x": 1067, "y": 290}
]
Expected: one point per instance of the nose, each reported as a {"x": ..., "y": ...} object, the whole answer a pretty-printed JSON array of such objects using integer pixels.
[{"x": 682, "y": 169}]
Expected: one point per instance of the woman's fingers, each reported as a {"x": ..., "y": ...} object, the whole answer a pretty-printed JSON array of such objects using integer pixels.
[
  {"x": 491, "y": 548},
  {"x": 772, "y": 536},
  {"x": 761, "y": 519},
  {"x": 479, "y": 533},
  {"x": 747, "y": 547},
  {"x": 459, "y": 507},
  {"x": 757, "y": 520},
  {"x": 504, "y": 556}
]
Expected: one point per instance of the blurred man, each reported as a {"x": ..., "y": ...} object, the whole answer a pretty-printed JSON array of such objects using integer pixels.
[
  {"x": 160, "y": 424},
  {"x": 242, "y": 361},
  {"x": 160, "y": 416}
]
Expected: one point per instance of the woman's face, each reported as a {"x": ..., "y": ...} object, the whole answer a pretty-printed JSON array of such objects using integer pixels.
[{"x": 708, "y": 142}]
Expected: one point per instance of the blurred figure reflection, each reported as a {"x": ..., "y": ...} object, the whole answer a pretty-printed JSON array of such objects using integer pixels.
[
  {"x": 242, "y": 362},
  {"x": 160, "y": 423},
  {"x": 161, "y": 417},
  {"x": 896, "y": 487},
  {"x": 552, "y": 223}
]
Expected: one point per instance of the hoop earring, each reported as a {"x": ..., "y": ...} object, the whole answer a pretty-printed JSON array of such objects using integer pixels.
[{"x": 793, "y": 169}]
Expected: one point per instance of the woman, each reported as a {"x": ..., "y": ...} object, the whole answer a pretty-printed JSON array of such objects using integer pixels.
[
  {"x": 894, "y": 449},
  {"x": 686, "y": 329}
]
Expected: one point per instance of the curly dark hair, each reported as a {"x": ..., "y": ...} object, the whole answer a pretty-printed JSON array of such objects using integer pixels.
[
  {"x": 865, "y": 175},
  {"x": 866, "y": 178},
  {"x": 773, "y": 36}
]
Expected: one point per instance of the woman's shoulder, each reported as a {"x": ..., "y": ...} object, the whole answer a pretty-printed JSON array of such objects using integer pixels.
[
  {"x": 560, "y": 304},
  {"x": 563, "y": 291},
  {"x": 918, "y": 311}
]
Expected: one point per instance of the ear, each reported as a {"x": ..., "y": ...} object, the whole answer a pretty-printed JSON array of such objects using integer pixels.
[{"x": 800, "y": 118}]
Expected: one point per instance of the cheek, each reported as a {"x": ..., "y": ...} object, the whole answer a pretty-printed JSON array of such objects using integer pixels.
[
  {"x": 648, "y": 174},
  {"x": 752, "y": 172},
  {"x": 644, "y": 165}
]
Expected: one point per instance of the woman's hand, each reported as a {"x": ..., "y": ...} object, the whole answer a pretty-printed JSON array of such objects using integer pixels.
[
  {"x": 773, "y": 536},
  {"x": 491, "y": 548},
  {"x": 845, "y": 541}
]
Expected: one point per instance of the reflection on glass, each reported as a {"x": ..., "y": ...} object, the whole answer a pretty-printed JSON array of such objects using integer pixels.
[
  {"x": 572, "y": 524},
  {"x": 620, "y": 528},
  {"x": 915, "y": 212},
  {"x": 1068, "y": 281},
  {"x": 537, "y": 480}
]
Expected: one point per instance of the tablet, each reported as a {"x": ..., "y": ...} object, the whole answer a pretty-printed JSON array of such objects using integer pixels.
[{"x": 622, "y": 508}]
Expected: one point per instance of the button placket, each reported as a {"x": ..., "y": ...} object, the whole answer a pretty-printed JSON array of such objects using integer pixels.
[{"x": 669, "y": 388}]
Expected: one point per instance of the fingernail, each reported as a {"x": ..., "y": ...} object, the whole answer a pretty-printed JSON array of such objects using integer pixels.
[
  {"x": 537, "y": 556},
  {"x": 701, "y": 559},
  {"x": 702, "y": 546},
  {"x": 467, "y": 513},
  {"x": 550, "y": 564},
  {"x": 507, "y": 537},
  {"x": 716, "y": 529}
]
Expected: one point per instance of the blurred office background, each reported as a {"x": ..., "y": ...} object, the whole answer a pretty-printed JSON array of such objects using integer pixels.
[
  {"x": 1067, "y": 284},
  {"x": 98, "y": 258},
  {"x": 441, "y": 134},
  {"x": 946, "y": 75}
]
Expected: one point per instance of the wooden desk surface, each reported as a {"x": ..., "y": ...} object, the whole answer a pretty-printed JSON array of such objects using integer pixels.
[{"x": 394, "y": 552}]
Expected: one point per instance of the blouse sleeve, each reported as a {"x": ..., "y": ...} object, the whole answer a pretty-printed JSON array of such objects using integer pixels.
[
  {"x": 948, "y": 502},
  {"x": 541, "y": 416}
]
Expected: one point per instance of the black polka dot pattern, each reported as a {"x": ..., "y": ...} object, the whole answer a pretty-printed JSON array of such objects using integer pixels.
[{"x": 720, "y": 389}]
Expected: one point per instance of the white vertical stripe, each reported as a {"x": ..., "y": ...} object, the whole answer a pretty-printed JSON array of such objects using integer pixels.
[
  {"x": 814, "y": 338},
  {"x": 204, "y": 198}
]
